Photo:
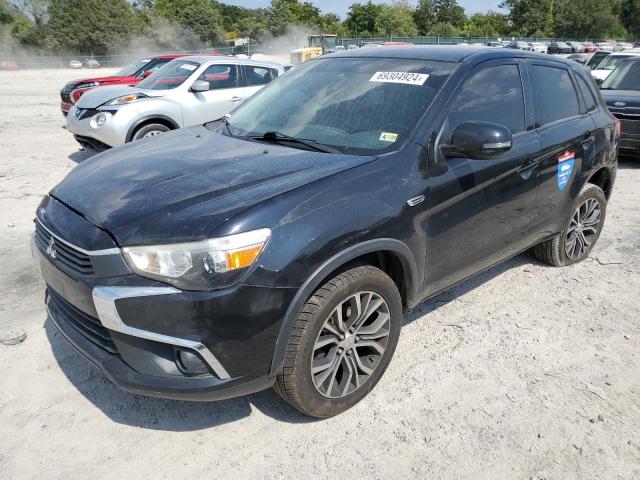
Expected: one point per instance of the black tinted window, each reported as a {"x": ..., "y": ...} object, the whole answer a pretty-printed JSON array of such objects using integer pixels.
[
  {"x": 257, "y": 75},
  {"x": 220, "y": 76},
  {"x": 587, "y": 94},
  {"x": 554, "y": 94},
  {"x": 491, "y": 95}
]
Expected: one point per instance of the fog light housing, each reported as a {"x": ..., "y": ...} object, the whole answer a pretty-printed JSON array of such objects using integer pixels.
[{"x": 190, "y": 363}]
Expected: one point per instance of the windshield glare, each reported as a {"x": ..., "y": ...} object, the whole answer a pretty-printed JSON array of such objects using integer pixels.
[
  {"x": 172, "y": 75},
  {"x": 355, "y": 105},
  {"x": 627, "y": 77},
  {"x": 132, "y": 69},
  {"x": 611, "y": 62}
]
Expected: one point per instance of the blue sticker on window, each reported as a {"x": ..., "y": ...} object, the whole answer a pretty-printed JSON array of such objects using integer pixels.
[{"x": 565, "y": 167}]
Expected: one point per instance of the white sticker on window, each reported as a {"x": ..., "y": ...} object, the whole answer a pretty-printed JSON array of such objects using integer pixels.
[
  {"x": 146, "y": 60},
  {"x": 406, "y": 78},
  {"x": 388, "y": 137},
  {"x": 188, "y": 66}
]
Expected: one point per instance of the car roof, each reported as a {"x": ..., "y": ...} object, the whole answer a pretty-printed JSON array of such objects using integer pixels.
[
  {"x": 213, "y": 59},
  {"x": 443, "y": 53}
]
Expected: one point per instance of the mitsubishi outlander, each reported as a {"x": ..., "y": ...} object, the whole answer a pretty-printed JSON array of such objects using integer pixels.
[{"x": 282, "y": 245}]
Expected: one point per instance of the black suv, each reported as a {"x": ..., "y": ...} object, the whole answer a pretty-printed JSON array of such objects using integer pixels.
[
  {"x": 282, "y": 245},
  {"x": 621, "y": 92}
]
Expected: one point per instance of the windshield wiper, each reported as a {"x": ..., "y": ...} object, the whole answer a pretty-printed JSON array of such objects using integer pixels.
[
  {"x": 225, "y": 121},
  {"x": 277, "y": 137}
]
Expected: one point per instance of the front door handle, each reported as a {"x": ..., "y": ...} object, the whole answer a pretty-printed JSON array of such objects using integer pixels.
[{"x": 237, "y": 99}]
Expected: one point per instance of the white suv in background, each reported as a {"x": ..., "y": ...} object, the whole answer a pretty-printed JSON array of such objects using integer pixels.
[{"x": 186, "y": 91}]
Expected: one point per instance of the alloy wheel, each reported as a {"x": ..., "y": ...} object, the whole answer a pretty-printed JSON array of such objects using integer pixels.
[
  {"x": 152, "y": 133},
  {"x": 350, "y": 344},
  {"x": 583, "y": 228}
]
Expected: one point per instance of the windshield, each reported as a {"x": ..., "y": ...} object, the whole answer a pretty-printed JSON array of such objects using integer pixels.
[
  {"x": 172, "y": 75},
  {"x": 597, "y": 58},
  {"x": 627, "y": 77},
  {"x": 612, "y": 61},
  {"x": 355, "y": 105},
  {"x": 133, "y": 69}
]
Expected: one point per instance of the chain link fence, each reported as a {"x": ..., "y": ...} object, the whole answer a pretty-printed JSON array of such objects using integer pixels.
[{"x": 280, "y": 46}]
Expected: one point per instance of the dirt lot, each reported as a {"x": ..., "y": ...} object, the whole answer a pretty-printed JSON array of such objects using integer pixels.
[{"x": 525, "y": 372}]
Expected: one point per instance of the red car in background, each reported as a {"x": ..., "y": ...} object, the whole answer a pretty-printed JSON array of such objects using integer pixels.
[
  {"x": 590, "y": 47},
  {"x": 129, "y": 75}
]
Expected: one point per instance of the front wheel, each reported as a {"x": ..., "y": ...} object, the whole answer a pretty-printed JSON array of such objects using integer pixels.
[
  {"x": 149, "y": 130},
  {"x": 341, "y": 343},
  {"x": 581, "y": 231}
]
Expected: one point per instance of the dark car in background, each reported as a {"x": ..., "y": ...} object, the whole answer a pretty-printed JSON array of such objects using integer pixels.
[
  {"x": 621, "y": 91},
  {"x": 520, "y": 46},
  {"x": 576, "y": 47},
  {"x": 559, "y": 47},
  {"x": 283, "y": 245},
  {"x": 129, "y": 75}
]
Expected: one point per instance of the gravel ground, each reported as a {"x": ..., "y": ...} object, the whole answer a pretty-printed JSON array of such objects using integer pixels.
[{"x": 526, "y": 371}]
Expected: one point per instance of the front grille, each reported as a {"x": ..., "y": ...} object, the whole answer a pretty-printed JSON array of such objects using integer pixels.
[
  {"x": 61, "y": 252},
  {"x": 82, "y": 113},
  {"x": 69, "y": 316},
  {"x": 630, "y": 126}
]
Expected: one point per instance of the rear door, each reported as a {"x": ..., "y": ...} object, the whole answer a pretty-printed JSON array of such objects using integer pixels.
[
  {"x": 254, "y": 78},
  {"x": 480, "y": 211},
  {"x": 567, "y": 140},
  {"x": 223, "y": 95}
]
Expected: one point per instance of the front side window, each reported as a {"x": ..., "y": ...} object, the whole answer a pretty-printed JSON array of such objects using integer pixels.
[
  {"x": 554, "y": 94},
  {"x": 354, "y": 105},
  {"x": 171, "y": 75},
  {"x": 220, "y": 76},
  {"x": 491, "y": 95},
  {"x": 256, "y": 75}
]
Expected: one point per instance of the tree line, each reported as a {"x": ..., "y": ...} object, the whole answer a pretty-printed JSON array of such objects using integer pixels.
[{"x": 106, "y": 26}]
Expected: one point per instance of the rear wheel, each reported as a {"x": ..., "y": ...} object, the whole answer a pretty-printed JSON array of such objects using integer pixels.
[
  {"x": 581, "y": 232},
  {"x": 342, "y": 342},
  {"x": 149, "y": 130}
]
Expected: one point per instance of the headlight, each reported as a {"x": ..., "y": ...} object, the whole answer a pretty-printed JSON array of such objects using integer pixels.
[
  {"x": 99, "y": 119},
  {"x": 123, "y": 100},
  {"x": 199, "y": 265}
]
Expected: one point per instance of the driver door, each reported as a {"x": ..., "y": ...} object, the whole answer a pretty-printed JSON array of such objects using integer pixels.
[
  {"x": 480, "y": 211},
  {"x": 224, "y": 95}
]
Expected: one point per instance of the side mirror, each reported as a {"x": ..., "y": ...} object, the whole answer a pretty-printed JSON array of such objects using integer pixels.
[
  {"x": 479, "y": 140},
  {"x": 147, "y": 73},
  {"x": 200, "y": 86},
  {"x": 599, "y": 81}
]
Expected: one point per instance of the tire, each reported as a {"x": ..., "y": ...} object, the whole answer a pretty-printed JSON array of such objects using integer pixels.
[
  {"x": 301, "y": 387},
  {"x": 558, "y": 251},
  {"x": 149, "y": 130}
]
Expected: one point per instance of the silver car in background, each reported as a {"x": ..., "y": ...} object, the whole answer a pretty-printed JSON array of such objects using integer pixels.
[{"x": 186, "y": 91}]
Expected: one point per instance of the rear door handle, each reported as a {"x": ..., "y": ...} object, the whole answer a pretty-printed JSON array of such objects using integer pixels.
[{"x": 237, "y": 99}]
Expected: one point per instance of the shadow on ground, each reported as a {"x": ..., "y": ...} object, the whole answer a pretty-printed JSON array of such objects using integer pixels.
[
  {"x": 172, "y": 415},
  {"x": 82, "y": 155}
]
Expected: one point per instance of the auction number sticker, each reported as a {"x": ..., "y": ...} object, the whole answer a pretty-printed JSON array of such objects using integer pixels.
[
  {"x": 565, "y": 167},
  {"x": 406, "y": 78},
  {"x": 188, "y": 66}
]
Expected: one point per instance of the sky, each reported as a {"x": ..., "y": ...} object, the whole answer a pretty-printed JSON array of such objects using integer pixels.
[{"x": 340, "y": 7}]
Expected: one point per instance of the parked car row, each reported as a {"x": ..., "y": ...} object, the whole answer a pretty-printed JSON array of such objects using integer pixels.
[{"x": 188, "y": 90}]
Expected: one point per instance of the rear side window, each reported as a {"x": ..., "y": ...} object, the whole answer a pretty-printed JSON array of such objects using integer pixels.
[
  {"x": 587, "y": 94},
  {"x": 491, "y": 95},
  {"x": 257, "y": 75},
  {"x": 554, "y": 94},
  {"x": 220, "y": 76}
]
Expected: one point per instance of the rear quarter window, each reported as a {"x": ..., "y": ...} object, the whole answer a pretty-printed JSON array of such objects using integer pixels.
[
  {"x": 554, "y": 95},
  {"x": 587, "y": 94}
]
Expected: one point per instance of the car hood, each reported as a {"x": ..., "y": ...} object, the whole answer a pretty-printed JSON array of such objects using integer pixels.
[
  {"x": 630, "y": 98},
  {"x": 107, "y": 80},
  {"x": 101, "y": 95},
  {"x": 180, "y": 186}
]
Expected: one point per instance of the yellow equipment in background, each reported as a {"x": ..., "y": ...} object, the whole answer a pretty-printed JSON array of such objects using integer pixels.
[{"x": 317, "y": 45}]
